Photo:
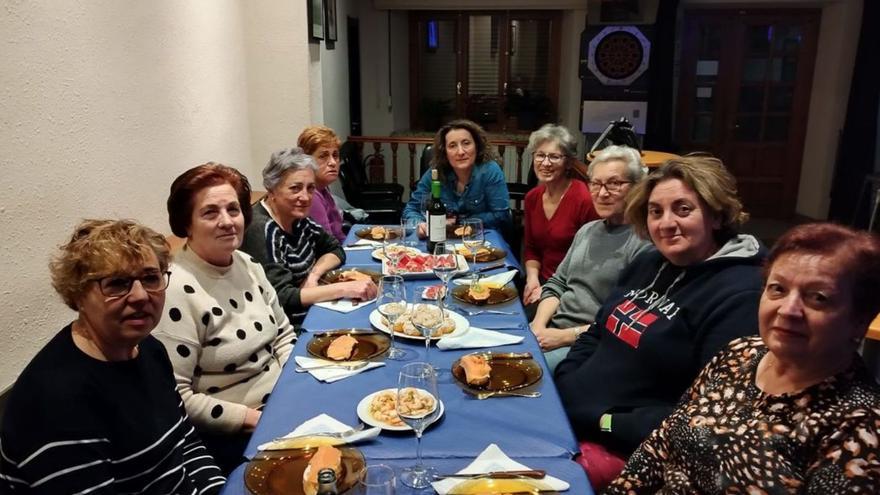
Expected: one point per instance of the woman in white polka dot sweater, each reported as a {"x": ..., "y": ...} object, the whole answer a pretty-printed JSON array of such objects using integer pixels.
[{"x": 224, "y": 329}]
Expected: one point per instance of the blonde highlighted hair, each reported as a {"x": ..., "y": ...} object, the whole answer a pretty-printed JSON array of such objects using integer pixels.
[{"x": 99, "y": 248}]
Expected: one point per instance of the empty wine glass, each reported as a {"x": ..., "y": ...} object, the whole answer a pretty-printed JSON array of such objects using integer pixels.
[
  {"x": 393, "y": 246},
  {"x": 418, "y": 405},
  {"x": 427, "y": 318},
  {"x": 473, "y": 238},
  {"x": 376, "y": 479},
  {"x": 391, "y": 303},
  {"x": 410, "y": 229},
  {"x": 445, "y": 266}
]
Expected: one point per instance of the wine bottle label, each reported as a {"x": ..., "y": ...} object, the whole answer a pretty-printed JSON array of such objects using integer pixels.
[{"x": 437, "y": 226}]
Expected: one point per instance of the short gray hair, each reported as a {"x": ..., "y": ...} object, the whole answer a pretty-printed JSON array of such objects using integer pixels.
[
  {"x": 557, "y": 134},
  {"x": 284, "y": 161},
  {"x": 635, "y": 169}
]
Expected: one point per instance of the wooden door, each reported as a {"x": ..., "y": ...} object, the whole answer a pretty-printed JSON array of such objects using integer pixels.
[{"x": 744, "y": 92}]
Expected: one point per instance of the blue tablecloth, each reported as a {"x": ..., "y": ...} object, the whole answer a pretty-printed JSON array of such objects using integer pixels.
[
  {"x": 521, "y": 427},
  {"x": 563, "y": 469}
]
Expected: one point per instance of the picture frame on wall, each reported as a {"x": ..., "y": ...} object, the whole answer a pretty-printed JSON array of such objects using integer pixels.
[
  {"x": 316, "y": 20},
  {"x": 330, "y": 19}
]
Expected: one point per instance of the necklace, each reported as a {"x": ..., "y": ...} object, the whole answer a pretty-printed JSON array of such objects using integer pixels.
[{"x": 86, "y": 344}]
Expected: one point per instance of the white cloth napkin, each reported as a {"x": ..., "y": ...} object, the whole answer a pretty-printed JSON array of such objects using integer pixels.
[
  {"x": 499, "y": 278},
  {"x": 324, "y": 423},
  {"x": 478, "y": 337},
  {"x": 363, "y": 244},
  {"x": 330, "y": 375},
  {"x": 344, "y": 305},
  {"x": 493, "y": 459}
]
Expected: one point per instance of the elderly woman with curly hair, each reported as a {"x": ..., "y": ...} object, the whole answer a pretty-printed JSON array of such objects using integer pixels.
[
  {"x": 293, "y": 249},
  {"x": 473, "y": 184},
  {"x": 794, "y": 410},
  {"x": 670, "y": 313},
  {"x": 224, "y": 327},
  {"x": 96, "y": 410}
]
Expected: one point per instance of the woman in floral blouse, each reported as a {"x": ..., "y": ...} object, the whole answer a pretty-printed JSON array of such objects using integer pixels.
[{"x": 794, "y": 410}]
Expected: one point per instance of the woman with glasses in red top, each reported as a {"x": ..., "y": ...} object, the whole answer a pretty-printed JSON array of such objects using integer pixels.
[{"x": 555, "y": 209}]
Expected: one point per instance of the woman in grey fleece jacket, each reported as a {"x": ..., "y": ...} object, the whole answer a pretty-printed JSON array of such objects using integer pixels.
[{"x": 599, "y": 252}]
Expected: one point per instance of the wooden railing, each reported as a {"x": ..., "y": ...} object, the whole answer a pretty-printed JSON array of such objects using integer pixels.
[{"x": 412, "y": 142}]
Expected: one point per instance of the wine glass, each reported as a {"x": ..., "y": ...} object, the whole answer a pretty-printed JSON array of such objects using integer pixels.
[
  {"x": 427, "y": 318},
  {"x": 393, "y": 246},
  {"x": 391, "y": 303},
  {"x": 376, "y": 479},
  {"x": 445, "y": 266},
  {"x": 410, "y": 228},
  {"x": 473, "y": 238},
  {"x": 418, "y": 405}
]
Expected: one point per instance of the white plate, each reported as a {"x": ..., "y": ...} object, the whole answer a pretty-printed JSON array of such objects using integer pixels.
[
  {"x": 463, "y": 267},
  {"x": 363, "y": 412},
  {"x": 379, "y": 254},
  {"x": 461, "y": 325}
]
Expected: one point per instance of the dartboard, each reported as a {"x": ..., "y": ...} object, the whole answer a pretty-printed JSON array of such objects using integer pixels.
[{"x": 619, "y": 55}]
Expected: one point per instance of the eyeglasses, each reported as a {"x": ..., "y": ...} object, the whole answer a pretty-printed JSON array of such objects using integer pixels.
[
  {"x": 553, "y": 157},
  {"x": 611, "y": 186},
  {"x": 116, "y": 286}
]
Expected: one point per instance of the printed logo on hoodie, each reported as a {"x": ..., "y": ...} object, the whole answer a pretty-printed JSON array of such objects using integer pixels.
[{"x": 629, "y": 321}]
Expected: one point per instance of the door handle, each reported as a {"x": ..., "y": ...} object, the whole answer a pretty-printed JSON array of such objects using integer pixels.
[
  {"x": 504, "y": 89},
  {"x": 458, "y": 88}
]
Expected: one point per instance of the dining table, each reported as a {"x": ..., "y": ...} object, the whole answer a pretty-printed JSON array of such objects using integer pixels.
[{"x": 526, "y": 429}]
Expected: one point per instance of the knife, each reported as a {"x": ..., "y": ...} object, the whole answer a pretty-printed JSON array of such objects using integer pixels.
[
  {"x": 491, "y": 266},
  {"x": 349, "y": 331},
  {"x": 506, "y": 355},
  {"x": 527, "y": 473}
]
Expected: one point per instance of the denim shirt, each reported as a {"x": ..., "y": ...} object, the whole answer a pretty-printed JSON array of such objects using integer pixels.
[{"x": 485, "y": 197}]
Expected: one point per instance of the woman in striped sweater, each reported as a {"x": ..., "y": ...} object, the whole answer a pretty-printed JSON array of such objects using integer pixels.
[{"x": 97, "y": 410}]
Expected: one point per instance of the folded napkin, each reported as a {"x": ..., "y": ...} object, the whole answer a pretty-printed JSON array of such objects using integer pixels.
[
  {"x": 344, "y": 305},
  {"x": 499, "y": 278},
  {"x": 493, "y": 459},
  {"x": 363, "y": 244},
  {"x": 478, "y": 337},
  {"x": 323, "y": 423},
  {"x": 330, "y": 375}
]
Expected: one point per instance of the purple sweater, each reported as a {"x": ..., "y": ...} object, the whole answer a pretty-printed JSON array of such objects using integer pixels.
[{"x": 326, "y": 214}]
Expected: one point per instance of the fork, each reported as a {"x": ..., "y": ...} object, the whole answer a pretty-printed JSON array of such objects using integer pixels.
[
  {"x": 471, "y": 312},
  {"x": 351, "y": 367},
  {"x": 505, "y": 393},
  {"x": 281, "y": 443}
]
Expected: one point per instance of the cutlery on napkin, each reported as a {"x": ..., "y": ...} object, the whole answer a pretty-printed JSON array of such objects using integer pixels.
[
  {"x": 362, "y": 244},
  {"x": 478, "y": 337},
  {"x": 330, "y": 375},
  {"x": 494, "y": 460},
  {"x": 323, "y": 424},
  {"x": 344, "y": 305},
  {"x": 501, "y": 279}
]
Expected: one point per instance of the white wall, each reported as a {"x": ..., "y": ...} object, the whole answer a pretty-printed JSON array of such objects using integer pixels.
[
  {"x": 104, "y": 102},
  {"x": 334, "y": 73}
]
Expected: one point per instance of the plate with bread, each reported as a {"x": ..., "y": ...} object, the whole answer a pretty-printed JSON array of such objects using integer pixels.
[
  {"x": 457, "y": 231},
  {"x": 485, "y": 254},
  {"x": 496, "y": 372},
  {"x": 348, "y": 345},
  {"x": 295, "y": 471},
  {"x": 484, "y": 293},
  {"x": 376, "y": 233},
  {"x": 350, "y": 275},
  {"x": 453, "y": 325},
  {"x": 380, "y": 408}
]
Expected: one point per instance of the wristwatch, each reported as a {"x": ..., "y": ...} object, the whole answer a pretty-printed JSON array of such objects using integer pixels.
[{"x": 605, "y": 423}]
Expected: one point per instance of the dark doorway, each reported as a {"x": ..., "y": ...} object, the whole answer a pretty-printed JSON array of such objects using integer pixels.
[{"x": 354, "y": 76}]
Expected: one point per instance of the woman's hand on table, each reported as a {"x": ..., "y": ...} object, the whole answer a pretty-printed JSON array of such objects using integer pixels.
[
  {"x": 532, "y": 291},
  {"x": 362, "y": 290},
  {"x": 422, "y": 230},
  {"x": 251, "y": 418},
  {"x": 552, "y": 338}
]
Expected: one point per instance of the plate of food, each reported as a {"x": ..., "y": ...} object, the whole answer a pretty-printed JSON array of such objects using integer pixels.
[
  {"x": 380, "y": 408},
  {"x": 457, "y": 231},
  {"x": 485, "y": 254},
  {"x": 348, "y": 345},
  {"x": 488, "y": 371},
  {"x": 432, "y": 292},
  {"x": 375, "y": 233},
  {"x": 350, "y": 275},
  {"x": 379, "y": 253},
  {"x": 421, "y": 265},
  {"x": 502, "y": 486},
  {"x": 295, "y": 471},
  {"x": 453, "y": 325},
  {"x": 484, "y": 293}
]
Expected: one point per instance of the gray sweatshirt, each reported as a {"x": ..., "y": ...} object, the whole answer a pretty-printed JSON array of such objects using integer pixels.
[{"x": 589, "y": 271}]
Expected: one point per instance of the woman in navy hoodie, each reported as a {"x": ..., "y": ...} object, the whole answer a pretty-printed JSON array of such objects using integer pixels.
[{"x": 672, "y": 310}]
